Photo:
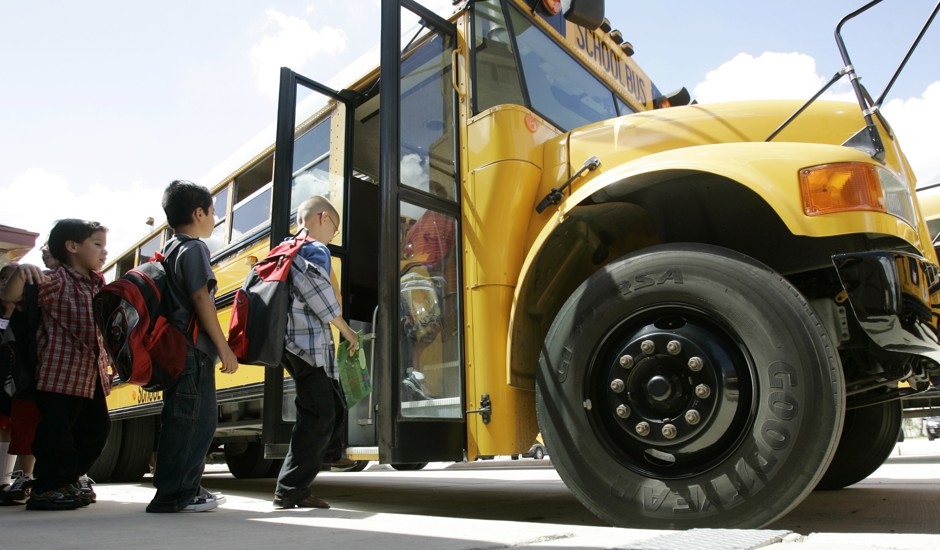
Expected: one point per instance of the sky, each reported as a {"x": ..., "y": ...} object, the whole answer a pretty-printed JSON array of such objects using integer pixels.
[{"x": 104, "y": 102}]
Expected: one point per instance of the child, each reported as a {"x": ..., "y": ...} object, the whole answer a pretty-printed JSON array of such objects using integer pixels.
[
  {"x": 190, "y": 411},
  {"x": 72, "y": 378},
  {"x": 309, "y": 358}
]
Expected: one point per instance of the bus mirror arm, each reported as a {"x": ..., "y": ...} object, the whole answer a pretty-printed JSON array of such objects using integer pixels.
[{"x": 556, "y": 195}]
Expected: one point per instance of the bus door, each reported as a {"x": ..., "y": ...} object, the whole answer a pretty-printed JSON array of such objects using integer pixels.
[
  {"x": 311, "y": 158},
  {"x": 420, "y": 366}
]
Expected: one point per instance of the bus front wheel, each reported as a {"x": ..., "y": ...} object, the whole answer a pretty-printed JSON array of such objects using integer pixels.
[{"x": 689, "y": 386}]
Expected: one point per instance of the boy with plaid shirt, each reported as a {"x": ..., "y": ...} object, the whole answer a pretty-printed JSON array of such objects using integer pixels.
[
  {"x": 309, "y": 358},
  {"x": 72, "y": 378}
]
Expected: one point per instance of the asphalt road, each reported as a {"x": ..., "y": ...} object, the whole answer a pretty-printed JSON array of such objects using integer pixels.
[{"x": 488, "y": 504}]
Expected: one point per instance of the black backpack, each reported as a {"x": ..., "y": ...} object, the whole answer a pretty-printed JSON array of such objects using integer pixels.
[
  {"x": 18, "y": 352},
  {"x": 135, "y": 316}
]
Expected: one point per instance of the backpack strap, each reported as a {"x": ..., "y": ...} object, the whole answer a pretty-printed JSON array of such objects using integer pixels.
[{"x": 192, "y": 326}]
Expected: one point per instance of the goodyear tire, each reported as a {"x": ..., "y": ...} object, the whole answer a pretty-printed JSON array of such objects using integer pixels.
[
  {"x": 245, "y": 460},
  {"x": 869, "y": 434},
  {"x": 137, "y": 444},
  {"x": 103, "y": 468},
  {"x": 728, "y": 420},
  {"x": 410, "y": 466}
]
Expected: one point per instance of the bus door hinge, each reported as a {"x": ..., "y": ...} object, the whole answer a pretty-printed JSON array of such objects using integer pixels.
[{"x": 486, "y": 408}]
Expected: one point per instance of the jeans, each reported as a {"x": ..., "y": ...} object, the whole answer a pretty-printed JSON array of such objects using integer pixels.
[
  {"x": 189, "y": 418},
  {"x": 69, "y": 438},
  {"x": 319, "y": 427}
]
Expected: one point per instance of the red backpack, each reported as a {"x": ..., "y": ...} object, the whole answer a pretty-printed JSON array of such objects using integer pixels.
[
  {"x": 259, "y": 314},
  {"x": 134, "y": 315}
]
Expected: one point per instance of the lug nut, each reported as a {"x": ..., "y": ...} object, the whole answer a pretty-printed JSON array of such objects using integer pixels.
[
  {"x": 643, "y": 429},
  {"x": 669, "y": 431},
  {"x": 703, "y": 391},
  {"x": 674, "y": 347},
  {"x": 692, "y": 417},
  {"x": 626, "y": 361},
  {"x": 647, "y": 346},
  {"x": 623, "y": 411},
  {"x": 617, "y": 385},
  {"x": 695, "y": 364}
]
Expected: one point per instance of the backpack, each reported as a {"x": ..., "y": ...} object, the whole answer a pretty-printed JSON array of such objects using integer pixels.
[
  {"x": 135, "y": 317},
  {"x": 18, "y": 350},
  {"x": 259, "y": 314},
  {"x": 421, "y": 304}
]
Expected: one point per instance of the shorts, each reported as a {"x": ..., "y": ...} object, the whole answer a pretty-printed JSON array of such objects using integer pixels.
[{"x": 25, "y": 417}]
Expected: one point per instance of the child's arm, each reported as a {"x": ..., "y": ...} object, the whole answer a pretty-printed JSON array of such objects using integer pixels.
[
  {"x": 204, "y": 308},
  {"x": 24, "y": 274},
  {"x": 347, "y": 333}
]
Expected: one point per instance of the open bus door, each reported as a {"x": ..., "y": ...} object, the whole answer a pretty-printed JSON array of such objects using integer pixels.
[
  {"x": 417, "y": 410},
  {"x": 310, "y": 116}
]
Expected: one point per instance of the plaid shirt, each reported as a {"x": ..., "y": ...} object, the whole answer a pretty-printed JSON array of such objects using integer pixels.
[
  {"x": 313, "y": 304},
  {"x": 71, "y": 352}
]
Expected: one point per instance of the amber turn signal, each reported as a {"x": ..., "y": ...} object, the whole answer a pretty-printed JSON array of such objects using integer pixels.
[{"x": 841, "y": 187}]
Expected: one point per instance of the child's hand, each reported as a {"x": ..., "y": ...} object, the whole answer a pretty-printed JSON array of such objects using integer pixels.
[
  {"x": 353, "y": 343},
  {"x": 30, "y": 274},
  {"x": 229, "y": 361}
]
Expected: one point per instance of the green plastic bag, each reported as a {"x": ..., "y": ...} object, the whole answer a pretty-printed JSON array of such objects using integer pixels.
[{"x": 353, "y": 373}]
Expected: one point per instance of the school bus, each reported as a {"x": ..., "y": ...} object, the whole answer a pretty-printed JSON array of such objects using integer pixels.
[{"x": 704, "y": 309}]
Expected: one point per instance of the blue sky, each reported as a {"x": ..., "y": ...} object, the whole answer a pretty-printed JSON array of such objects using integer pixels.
[{"x": 105, "y": 101}]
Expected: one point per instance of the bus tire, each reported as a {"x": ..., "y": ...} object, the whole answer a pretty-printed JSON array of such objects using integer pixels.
[
  {"x": 103, "y": 468},
  {"x": 869, "y": 434},
  {"x": 750, "y": 358},
  {"x": 410, "y": 466},
  {"x": 137, "y": 444},
  {"x": 246, "y": 460}
]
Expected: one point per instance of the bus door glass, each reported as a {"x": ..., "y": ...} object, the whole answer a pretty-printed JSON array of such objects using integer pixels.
[
  {"x": 310, "y": 117},
  {"x": 429, "y": 331}
]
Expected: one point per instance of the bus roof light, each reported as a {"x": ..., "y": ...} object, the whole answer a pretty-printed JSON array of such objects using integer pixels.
[{"x": 616, "y": 36}]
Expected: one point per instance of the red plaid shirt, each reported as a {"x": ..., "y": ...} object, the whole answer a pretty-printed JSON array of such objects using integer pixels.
[{"x": 71, "y": 352}]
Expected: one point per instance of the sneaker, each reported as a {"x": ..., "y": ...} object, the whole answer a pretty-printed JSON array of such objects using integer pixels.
[
  {"x": 18, "y": 491},
  {"x": 413, "y": 388},
  {"x": 55, "y": 499},
  {"x": 85, "y": 483},
  {"x": 204, "y": 502},
  {"x": 76, "y": 492}
]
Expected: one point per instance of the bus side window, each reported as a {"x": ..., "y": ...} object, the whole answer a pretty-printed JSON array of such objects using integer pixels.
[
  {"x": 217, "y": 241},
  {"x": 148, "y": 249},
  {"x": 252, "y": 201},
  {"x": 125, "y": 264},
  {"x": 497, "y": 76}
]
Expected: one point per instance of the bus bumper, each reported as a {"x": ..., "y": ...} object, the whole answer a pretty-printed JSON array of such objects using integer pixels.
[{"x": 891, "y": 294}]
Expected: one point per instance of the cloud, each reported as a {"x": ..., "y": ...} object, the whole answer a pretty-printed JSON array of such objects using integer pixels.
[
  {"x": 294, "y": 43},
  {"x": 915, "y": 121},
  {"x": 37, "y": 198},
  {"x": 771, "y": 75},
  {"x": 774, "y": 75}
]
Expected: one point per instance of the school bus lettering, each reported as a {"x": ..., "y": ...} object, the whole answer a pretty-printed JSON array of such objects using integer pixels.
[{"x": 597, "y": 50}]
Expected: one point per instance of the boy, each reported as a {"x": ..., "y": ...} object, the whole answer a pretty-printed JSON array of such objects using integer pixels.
[
  {"x": 309, "y": 358},
  {"x": 190, "y": 411},
  {"x": 72, "y": 378}
]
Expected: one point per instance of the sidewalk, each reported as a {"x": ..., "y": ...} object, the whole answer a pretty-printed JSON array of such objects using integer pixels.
[{"x": 118, "y": 520}]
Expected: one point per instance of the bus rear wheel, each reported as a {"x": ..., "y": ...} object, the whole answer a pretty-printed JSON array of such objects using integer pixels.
[
  {"x": 869, "y": 434},
  {"x": 689, "y": 386}
]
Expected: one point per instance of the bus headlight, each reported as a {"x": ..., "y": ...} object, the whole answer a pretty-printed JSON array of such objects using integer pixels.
[{"x": 854, "y": 186}]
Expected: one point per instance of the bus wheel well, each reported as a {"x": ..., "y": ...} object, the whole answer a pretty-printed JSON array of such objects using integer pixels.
[{"x": 669, "y": 207}]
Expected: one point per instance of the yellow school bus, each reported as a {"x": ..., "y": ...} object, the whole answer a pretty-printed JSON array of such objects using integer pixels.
[{"x": 704, "y": 309}]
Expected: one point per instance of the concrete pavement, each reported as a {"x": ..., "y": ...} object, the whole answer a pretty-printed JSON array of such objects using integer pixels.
[{"x": 512, "y": 504}]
